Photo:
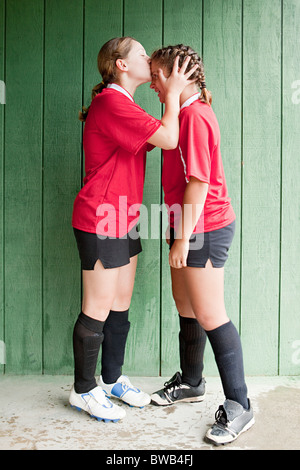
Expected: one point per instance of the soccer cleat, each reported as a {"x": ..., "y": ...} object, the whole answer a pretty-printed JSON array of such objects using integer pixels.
[
  {"x": 125, "y": 391},
  {"x": 176, "y": 391},
  {"x": 231, "y": 420},
  {"x": 96, "y": 404}
]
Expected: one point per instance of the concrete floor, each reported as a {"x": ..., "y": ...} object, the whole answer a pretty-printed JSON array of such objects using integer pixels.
[{"x": 35, "y": 415}]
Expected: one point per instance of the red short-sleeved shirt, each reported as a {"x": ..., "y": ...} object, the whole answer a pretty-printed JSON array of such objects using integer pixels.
[
  {"x": 115, "y": 143},
  {"x": 198, "y": 154}
]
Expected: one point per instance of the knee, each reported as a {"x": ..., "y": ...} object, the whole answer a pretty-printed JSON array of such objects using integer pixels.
[
  {"x": 210, "y": 321},
  {"x": 121, "y": 302},
  {"x": 96, "y": 308}
]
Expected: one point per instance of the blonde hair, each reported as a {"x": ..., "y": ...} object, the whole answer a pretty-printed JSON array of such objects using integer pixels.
[
  {"x": 166, "y": 56},
  {"x": 110, "y": 52}
]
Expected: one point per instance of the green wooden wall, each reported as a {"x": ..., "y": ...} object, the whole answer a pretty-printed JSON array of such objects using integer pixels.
[{"x": 48, "y": 51}]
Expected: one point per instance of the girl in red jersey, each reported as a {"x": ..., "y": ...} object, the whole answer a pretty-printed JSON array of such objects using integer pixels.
[
  {"x": 202, "y": 225},
  {"x": 116, "y": 134}
]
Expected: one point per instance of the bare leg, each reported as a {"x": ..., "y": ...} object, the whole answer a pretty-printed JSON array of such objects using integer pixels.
[
  {"x": 180, "y": 293},
  {"x": 205, "y": 288},
  {"x": 125, "y": 285},
  {"x": 99, "y": 291}
]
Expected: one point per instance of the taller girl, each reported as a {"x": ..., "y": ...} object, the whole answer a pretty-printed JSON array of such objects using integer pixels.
[
  {"x": 202, "y": 225},
  {"x": 116, "y": 134}
]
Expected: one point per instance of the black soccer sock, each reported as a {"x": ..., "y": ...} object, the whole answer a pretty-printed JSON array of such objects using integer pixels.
[
  {"x": 192, "y": 340},
  {"x": 226, "y": 344},
  {"x": 87, "y": 338},
  {"x": 113, "y": 348}
]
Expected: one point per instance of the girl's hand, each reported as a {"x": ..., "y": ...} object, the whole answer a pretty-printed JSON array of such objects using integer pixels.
[
  {"x": 178, "y": 79},
  {"x": 179, "y": 253}
]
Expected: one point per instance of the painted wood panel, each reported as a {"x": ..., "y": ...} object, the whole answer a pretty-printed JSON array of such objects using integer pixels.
[
  {"x": 62, "y": 97},
  {"x": 222, "y": 53},
  {"x": 23, "y": 186},
  {"x": 289, "y": 338},
  {"x": 185, "y": 29},
  {"x": 48, "y": 59},
  {"x": 261, "y": 184},
  {"x": 2, "y": 108},
  {"x": 100, "y": 25},
  {"x": 143, "y": 351}
]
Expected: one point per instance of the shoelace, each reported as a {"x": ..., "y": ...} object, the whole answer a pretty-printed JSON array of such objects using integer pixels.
[
  {"x": 222, "y": 421},
  {"x": 125, "y": 386},
  {"x": 106, "y": 402},
  {"x": 221, "y": 417},
  {"x": 173, "y": 381},
  {"x": 170, "y": 387}
]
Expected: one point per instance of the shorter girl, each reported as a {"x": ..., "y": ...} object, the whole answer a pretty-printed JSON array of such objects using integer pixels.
[{"x": 201, "y": 232}]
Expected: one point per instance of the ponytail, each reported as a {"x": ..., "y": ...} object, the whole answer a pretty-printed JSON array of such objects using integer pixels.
[
  {"x": 82, "y": 115},
  {"x": 116, "y": 48}
]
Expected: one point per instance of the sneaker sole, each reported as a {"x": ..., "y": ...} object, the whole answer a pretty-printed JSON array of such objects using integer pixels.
[
  {"x": 106, "y": 420},
  {"x": 183, "y": 400},
  {"x": 218, "y": 440},
  {"x": 126, "y": 402},
  {"x": 129, "y": 404}
]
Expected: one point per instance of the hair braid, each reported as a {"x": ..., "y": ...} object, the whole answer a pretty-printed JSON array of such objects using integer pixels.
[{"x": 166, "y": 56}]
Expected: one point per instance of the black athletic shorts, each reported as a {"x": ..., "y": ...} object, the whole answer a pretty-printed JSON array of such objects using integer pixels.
[
  {"x": 212, "y": 245},
  {"x": 112, "y": 252}
]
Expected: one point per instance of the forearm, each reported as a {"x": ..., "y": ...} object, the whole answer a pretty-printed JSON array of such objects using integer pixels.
[
  {"x": 170, "y": 119},
  {"x": 192, "y": 207},
  {"x": 167, "y": 135}
]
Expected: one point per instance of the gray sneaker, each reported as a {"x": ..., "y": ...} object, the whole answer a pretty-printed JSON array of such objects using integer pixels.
[
  {"x": 231, "y": 420},
  {"x": 176, "y": 391}
]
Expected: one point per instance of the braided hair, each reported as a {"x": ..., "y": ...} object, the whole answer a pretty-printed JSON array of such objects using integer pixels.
[{"x": 166, "y": 56}]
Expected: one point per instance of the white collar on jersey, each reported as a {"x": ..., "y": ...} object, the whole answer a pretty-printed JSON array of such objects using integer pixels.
[
  {"x": 190, "y": 100},
  {"x": 114, "y": 86}
]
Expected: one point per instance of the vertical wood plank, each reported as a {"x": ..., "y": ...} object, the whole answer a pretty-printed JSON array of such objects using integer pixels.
[
  {"x": 183, "y": 23},
  {"x": 290, "y": 260},
  {"x": 62, "y": 175},
  {"x": 261, "y": 184},
  {"x": 2, "y": 108},
  {"x": 102, "y": 21},
  {"x": 143, "y": 349},
  {"x": 222, "y": 52},
  {"x": 23, "y": 191},
  {"x": 180, "y": 26}
]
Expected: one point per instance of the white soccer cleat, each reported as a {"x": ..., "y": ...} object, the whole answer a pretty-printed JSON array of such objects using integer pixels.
[
  {"x": 125, "y": 391},
  {"x": 96, "y": 404}
]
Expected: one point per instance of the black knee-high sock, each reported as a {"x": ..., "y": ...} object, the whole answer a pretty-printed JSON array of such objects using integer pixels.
[
  {"x": 192, "y": 339},
  {"x": 226, "y": 344},
  {"x": 115, "y": 331},
  {"x": 87, "y": 338}
]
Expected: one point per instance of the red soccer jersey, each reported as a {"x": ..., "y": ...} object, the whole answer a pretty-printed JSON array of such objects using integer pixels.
[
  {"x": 115, "y": 142},
  {"x": 198, "y": 154}
]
